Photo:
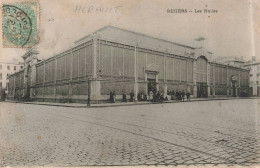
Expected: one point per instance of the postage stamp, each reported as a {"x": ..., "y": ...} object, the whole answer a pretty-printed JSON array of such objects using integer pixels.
[{"x": 20, "y": 25}]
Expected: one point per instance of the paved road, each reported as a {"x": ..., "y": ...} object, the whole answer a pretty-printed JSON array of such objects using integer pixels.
[{"x": 186, "y": 133}]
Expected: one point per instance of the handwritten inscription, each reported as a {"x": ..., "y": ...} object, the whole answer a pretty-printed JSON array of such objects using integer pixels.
[{"x": 96, "y": 9}]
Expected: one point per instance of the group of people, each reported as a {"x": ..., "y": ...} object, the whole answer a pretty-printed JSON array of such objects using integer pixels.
[
  {"x": 153, "y": 96},
  {"x": 179, "y": 95}
]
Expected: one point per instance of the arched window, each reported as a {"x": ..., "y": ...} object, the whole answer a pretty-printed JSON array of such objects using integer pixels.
[{"x": 201, "y": 70}]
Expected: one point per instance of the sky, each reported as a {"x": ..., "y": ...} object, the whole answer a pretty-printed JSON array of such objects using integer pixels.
[{"x": 229, "y": 32}]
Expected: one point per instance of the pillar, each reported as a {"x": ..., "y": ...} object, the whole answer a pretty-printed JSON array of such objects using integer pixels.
[
  {"x": 135, "y": 71},
  {"x": 25, "y": 80},
  {"x": 95, "y": 84},
  {"x": 95, "y": 48},
  {"x": 55, "y": 78},
  {"x": 71, "y": 70},
  {"x": 33, "y": 78},
  {"x": 95, "y": 90},
  {"x": 164, "y": 76},
  {"x": 146, "y": 83},
  {"x": 157, "y": 84},
  {"x": 14, "y": 87},
  {"x": 194, "y": 79},
  {"x": 208, "y": 78},
  {"x": 165, "y": 90},
  {"x": 228, "y": 87},
  {"x": 214, "y": 83}
]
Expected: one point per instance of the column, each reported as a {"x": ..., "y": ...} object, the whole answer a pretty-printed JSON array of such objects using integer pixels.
[
  {"x": 25, "y": 79},
  {"x": 214, "y": 82},
  {"x": 33, "y": 77},
  {"x": 146, "y": 83},
  {"x": 44, "y": 75},
  {"x": 71, "y": 70},
  {"x": 194, "y": 79},
  {"x": 156, "y": 79},
  {"x": 14, "y": 87},
  {"x": 135, "y": 71},
  {"x": 228, "y": 87},
  {"x": 55, "y": 77},
  {"x": 164, "y": 76},
  {"x": 208, "y": 78},
  {"x": 95, "y": 57},
  {"x": 95, "y": 84}
]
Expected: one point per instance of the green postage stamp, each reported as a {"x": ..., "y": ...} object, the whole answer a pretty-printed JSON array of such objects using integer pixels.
[{"x": 20, "y": 24}]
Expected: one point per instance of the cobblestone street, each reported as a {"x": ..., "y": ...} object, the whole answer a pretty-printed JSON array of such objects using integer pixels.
[{"x": 220, "y": 132}]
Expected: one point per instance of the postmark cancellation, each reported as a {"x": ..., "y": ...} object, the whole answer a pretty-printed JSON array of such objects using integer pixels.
[{"x": 20, "y": 24}]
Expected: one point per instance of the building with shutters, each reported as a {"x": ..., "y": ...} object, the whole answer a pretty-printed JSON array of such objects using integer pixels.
[
  {"x": 254, "y": 66},
  {"x": 6, "y": 69},
  {"x": 114, "y": 59}
]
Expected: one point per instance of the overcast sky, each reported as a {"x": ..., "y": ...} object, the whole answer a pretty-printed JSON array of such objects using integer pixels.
[{"x": 228, "y": 32}]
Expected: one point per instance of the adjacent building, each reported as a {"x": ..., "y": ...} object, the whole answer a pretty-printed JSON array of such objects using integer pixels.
[
  {"x": 117, "y": 60},
  {"x": 233, "y": 61},
  {"x": 254, "y": 67},
  {"x": 6, "y": 69}
]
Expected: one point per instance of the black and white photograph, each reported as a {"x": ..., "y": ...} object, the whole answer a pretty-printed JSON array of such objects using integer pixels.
[{"x": 127, "y": 83}]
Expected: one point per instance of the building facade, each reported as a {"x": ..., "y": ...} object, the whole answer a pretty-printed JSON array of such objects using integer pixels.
[
  {"x": 6, "y": 69},
  {"x": 254, "y": 67},
  {"x": 113, "y": 59}
]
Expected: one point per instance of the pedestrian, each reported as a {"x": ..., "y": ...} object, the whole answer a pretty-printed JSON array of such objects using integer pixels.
[
  {"x": 114, "y": 97},
  {"x": 172, "y": 95},
  {"x": 132, "y": 96},
  {"x": 124, "y": 97},
  {"x": 145, "y": 97},
  {"x": 188, "y": 96},
  {"x": 111, "y": 97},
  {"x": 182, "y": 95},
  {"x": 151, "y": 96},
  {"x": 139, "y": 96},
  {"x": 142, "y": 96},
  {"x": 178, "y": 95}
]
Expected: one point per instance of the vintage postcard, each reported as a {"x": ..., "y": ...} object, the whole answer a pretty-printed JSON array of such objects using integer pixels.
[{"x": 129, "y": 83}]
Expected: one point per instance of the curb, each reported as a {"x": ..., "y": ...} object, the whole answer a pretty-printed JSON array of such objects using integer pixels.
[{"x": 132, "y": 104}]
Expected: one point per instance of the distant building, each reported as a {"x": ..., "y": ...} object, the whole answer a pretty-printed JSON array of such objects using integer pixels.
[
  {"x": 254, "y": 84},
  {"x": 6, "y": 69},
  {"x": 121, "y": 61},
  {"x": 233, "y": 61}
]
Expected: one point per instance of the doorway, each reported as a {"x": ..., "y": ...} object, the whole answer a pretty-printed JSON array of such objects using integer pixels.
[
  {"x": 151, "y": 85},
  {"x": 202, "y": 90},
  {"x": 233, "y": 86}
]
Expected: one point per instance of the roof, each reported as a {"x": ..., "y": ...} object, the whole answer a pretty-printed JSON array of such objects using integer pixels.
[
  {"x": 20, "y": 63},
  {"x": 136, "y": 39},
  {"x": 132, "y": 32}
]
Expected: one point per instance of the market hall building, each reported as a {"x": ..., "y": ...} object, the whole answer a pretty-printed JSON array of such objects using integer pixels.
[{"x": 114, "y": 59}]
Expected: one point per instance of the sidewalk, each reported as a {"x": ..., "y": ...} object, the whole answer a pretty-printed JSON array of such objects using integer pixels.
[{"x": 79, "y": 105}]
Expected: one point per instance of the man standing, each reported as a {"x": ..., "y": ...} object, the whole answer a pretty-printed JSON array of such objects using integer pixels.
[
  {"x": 182, "y": 95},
  {"x": 188, "y": 96}
]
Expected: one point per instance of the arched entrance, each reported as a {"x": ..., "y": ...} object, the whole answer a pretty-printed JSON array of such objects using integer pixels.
[
  {"x": 151, "y": 76},
  {"x": 151, "y": 83},
  {"x": 201, "y": 77}
]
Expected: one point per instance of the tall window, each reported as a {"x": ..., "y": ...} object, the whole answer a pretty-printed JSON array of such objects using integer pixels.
[
  {"x": 201, "y": 71},
  {"x": 8, "y": 67},
  {"x": 15, "y": 68},
  {"x": 0, "y": 76},
  {"x": 0, "y": 66}
]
